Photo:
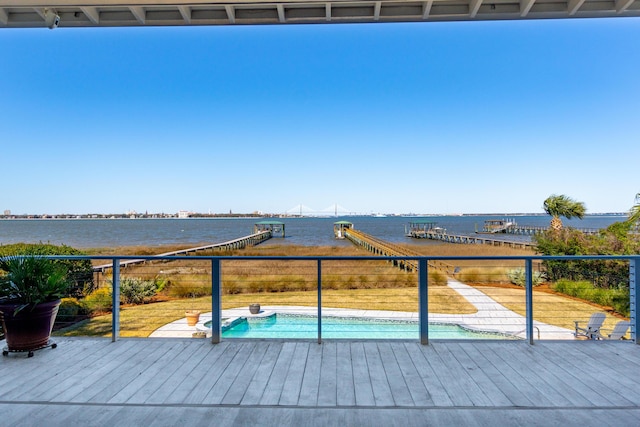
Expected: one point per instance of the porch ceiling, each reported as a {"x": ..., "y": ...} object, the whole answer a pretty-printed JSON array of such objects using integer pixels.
[{"x": 120, "y": 13}]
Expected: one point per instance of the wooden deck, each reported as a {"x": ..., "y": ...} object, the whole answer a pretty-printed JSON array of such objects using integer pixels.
[{"x": 168, "y": 382}]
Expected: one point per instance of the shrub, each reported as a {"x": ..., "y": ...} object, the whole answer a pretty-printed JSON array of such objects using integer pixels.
[
  {"x": 137, "y": 291},
  {"x": 98, "y": 301},
  {"x": 437, "y": 278},
  {"x": 189, "y": 290},
  {"x": 617, "y": 298},
  {"x": 69, "y": 308},
  {"x": 517, "y": 277},
  {"x": 80, "y": 272}
]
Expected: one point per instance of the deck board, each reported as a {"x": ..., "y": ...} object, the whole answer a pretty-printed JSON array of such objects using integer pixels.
[
  {"x": 397, "y": 381},
  {"x": 260, "y": 379},
  {"x": 240, "y": 384},
  {"x": 490, "y": 365},
  {"x": 595, "y": 383},
  {"x": 14, "y": 387},
  {"x": 480, "y": 376},
  {"x": 379, "y": 381},
  {"x": 173, "y": 382},
  {"x": 212, "y": 372},
  {"x": 361, "y": 380},
  {"x": 453, "y": 386},
  {"x": 327, "y": 390},
  {"x": 180, "y": 388},
  {"x": 278, "y": 376},
  {"x": 419, "y": 394},
  {"x": 176, "y": 358},
  {"x": 437, "y": 392},
  {"x": 543, "y": 392},
  {"x": 293, "y": 382},
  {"x": 345, "y": 389},
  {"x": 311, "y": 377}
]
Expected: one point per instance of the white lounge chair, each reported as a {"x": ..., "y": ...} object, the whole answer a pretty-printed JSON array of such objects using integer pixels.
[
  {"x": 592, "y": 331},
  {"x": 619, "y": 331}
]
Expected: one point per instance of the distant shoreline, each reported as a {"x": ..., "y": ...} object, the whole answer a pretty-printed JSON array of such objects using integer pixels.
[{"x": 248, "y": 216}]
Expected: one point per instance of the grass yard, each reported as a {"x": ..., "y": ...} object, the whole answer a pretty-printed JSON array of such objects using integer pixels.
[{"x": 554, "y": 309}]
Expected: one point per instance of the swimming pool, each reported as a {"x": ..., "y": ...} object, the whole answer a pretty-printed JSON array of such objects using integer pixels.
[{"x": 300, "y": 326}]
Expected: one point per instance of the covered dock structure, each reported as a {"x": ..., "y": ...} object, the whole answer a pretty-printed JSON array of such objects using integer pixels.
[{"x": 274, "y": 227}]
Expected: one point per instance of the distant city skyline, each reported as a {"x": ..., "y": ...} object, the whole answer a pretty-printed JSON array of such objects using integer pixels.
[{"x": 438, "y": 118}]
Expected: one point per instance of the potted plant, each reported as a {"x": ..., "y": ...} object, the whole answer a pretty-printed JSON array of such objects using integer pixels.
[
  {"x": 30, "y": 291},
  {"x": 192, "y": 317}
]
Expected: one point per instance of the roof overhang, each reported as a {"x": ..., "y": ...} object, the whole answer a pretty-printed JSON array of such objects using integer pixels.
[{"x": 124, "y": 13}]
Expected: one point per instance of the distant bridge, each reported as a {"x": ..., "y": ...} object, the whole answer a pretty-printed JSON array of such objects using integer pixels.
[
  {"x": 127, "y": 13},
  {"x": 333, "y": 210}
]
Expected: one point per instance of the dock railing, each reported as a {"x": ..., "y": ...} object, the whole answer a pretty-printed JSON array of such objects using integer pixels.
[{"x": 485, "y": 297}]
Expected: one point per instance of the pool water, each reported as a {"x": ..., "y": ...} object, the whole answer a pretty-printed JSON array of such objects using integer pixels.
[{"x": 295, "y": 326}]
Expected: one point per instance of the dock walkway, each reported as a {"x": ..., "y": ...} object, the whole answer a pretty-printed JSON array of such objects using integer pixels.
[
  {"x": 476, "y": 240},
  {"x": 240, "y": 243},
  {"x": 169, "y": 382},
  {"x": 383, "y": 248}
]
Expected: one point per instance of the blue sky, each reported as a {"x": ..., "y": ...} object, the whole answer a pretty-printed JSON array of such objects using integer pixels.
[{"x": 477, "y": 117}]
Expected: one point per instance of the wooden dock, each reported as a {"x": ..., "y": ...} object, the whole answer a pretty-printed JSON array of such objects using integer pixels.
[
  {"x": 476, "y": 240},
  {"x": 190, "y": 382},
  {"x": 529, "y": 230},
  {"x": 383, "y": 248},
  {"x": 240, "y": 243},
  {"x": 510, "y": 226}
]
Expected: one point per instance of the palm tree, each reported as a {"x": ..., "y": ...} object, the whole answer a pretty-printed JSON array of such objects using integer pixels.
[
  {"x": 634, "y": 213},
  {"x": 562, "y": 205}
]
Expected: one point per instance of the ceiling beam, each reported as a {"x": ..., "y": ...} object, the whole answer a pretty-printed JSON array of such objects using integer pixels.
[
  {"x": 474, "y": 5},
  {"x": 622, "y": 5},
  {"x": 185, "y": 11},
  {"x": 91, "y": 13},
  {"x": 281, "y": 16},
  {"x": 139, "y": 13},
  {"x": 426, "y": 9},
  {"x": 231, "y": 14},
  {"x": 525, "y": 7},
  {"x": 573, "y": 6}
]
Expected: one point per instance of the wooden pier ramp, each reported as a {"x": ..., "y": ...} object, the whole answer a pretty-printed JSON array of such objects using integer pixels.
[
  {"x": 240, "y": 243},
  {"x": 383, "y": 248}
]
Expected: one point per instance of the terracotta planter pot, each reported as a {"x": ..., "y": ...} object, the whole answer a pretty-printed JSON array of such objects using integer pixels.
[
  {"x": 29, "y": 329},
  {"x": 192, "y": 317}
]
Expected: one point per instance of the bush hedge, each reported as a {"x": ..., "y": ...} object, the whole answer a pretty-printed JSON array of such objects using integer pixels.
[{"x": 80, "y": 271}]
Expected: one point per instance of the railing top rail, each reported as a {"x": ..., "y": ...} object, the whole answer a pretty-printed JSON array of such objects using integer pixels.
[{"x": 340, "y": 258}]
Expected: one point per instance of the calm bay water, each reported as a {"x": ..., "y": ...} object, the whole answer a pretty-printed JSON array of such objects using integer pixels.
[{"x": 94, "y": 233}]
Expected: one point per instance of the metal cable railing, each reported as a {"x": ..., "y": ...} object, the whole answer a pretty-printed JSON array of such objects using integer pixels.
[{"x": 323, "y": 297}]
